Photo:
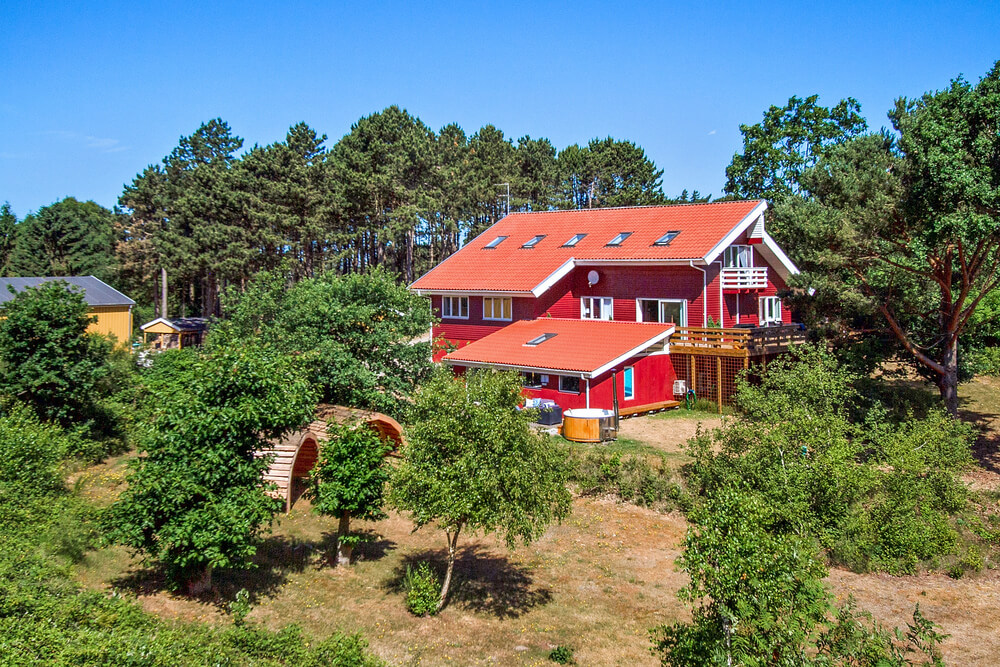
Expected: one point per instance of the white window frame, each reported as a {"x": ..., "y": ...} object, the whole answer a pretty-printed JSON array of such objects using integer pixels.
[
  {"x": 448, "y": 307},
  {"x": 569, "y": 391},
  {"x": 659, "y": 309},
  {"x": 734, "y": 256},
  {"x": 502, "y": 299},
  {"x": 630, "y": 370},
  {"x": 543, "y": 380},
  {"x": 769, "y": 310},
  {"x": 607, "y": 306}
]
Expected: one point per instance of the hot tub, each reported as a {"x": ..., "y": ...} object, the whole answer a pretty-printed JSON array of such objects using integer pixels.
[{"x": 589, "y": 425}]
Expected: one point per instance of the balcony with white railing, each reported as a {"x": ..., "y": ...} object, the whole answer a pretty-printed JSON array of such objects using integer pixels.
[{"x": 744, "y": 277}]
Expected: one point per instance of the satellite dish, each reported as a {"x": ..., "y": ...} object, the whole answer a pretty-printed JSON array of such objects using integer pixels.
[{"x": 593, "y": 277}]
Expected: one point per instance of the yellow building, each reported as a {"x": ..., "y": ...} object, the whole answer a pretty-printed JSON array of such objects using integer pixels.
[
  {"x": 173, "y": 334},
  {"x": 112, "y": 308}
]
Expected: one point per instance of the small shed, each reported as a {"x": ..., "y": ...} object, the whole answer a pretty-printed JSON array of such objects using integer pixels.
[
  {"x": 297, "y": 453},
  {"x": 176, "y": 333},
  {"x": 111, "y": 308}
]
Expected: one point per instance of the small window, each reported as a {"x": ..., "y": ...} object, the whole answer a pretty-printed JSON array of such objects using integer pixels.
[
  {"x": 535, "y": 342},
  {"x": 576, "y": 238},
  {"x": 495, "y": 242},
  {"x": 496, "y": 308},
  {"x": 597, "y": 308},
  {"x": 666, "y": 238},
  {"x": 618, "y": 240},
  {"x": 628, "y": 382},
  {"x": 455, "y": 307},
  {"x": 569, "y": 385},
  {"x": 535, "y": 380},
  {"x": 533, "y": 242}
]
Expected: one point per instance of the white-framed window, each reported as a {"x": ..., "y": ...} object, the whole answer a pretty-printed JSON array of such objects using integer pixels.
[
  {"x": 597, "y": 308},
  {"x": 569, "y": 384},
  {"x": 455, "y": 307},
  {"x": 628, "y": 382},
  {"x": 496, "y": 308},
  {"x": 535, "y": 380},
  {"x": 662, "y": 310},
  {"x": 770, "y": 310},
  {"x": 737, "y": 256}
]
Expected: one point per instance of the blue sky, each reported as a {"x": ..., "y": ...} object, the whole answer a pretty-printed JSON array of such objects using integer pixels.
[{"x": 93, "y": 94}]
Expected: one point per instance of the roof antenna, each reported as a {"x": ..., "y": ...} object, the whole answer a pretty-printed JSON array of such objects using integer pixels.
[{"x": 508, "y": 197}]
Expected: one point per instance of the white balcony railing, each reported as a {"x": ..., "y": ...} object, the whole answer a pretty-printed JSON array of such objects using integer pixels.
[{"x": 744, "y": 277}]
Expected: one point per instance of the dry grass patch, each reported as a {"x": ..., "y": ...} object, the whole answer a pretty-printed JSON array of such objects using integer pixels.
[{"x": 597, "y": 582}]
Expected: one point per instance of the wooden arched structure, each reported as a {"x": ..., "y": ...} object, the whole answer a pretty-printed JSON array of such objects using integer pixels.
[{"x": 296, "y": 454}]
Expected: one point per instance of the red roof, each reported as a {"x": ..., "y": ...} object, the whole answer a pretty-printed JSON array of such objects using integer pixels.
[
  {"x": 509, "y": 267},
  {"x": 579, "y": 346}
]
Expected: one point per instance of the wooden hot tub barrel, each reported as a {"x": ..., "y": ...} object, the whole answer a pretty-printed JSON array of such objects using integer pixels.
[{"x": 588, "y": 425}]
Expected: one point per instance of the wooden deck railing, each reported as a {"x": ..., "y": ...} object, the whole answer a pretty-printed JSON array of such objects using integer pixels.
[
  {"x": 736, "y": 342},
  {"x": 744, "y": 277}
]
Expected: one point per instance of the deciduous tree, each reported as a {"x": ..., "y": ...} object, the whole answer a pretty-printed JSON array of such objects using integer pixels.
[
  {"x": 348, "y": 480},
  {"x": 473, "y": 463},
  {"x": 47, "y": 358},
  {"x": 196, "y": 498}
]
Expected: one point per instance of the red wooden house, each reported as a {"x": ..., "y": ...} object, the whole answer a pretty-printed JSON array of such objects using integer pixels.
[{"x": 570, "y": 298}]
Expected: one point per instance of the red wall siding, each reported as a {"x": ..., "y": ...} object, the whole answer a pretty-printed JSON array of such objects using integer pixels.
[
  {"x": 460, "y": 332},
  {"x": 747, "y": 304},
  {"x": 558, "y": 301},
  {"x": 626, "y": 284},
  {"x": 653, "y": 382}
]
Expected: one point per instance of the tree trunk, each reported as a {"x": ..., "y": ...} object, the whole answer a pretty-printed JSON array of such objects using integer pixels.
[
  {"x": 452, "y": 548},
  {"x": 201, "y": 583},
  {"x": 344, "y": 550},
  {"x": 948, "y": 381}
]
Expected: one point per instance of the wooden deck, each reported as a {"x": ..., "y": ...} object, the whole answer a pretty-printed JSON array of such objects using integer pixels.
[
  {"x": 633, "y": 411},
  {"x": 734, "y": 342}
]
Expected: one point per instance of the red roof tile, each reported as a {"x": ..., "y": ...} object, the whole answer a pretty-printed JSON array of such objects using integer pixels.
[
  {"x": 579, "y": 346},
  {"x": 509, "y": 267}
]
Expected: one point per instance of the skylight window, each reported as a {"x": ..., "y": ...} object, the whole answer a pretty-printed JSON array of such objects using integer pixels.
[
  {"x": 666, "y": 238},
  {"x": 574, "y": 240},
  {"x": 533, "y": 242},
  {"x": 495, "y": 242},
  {"x": 534, "y": 342},
  {"x": 620, "y": 238}
]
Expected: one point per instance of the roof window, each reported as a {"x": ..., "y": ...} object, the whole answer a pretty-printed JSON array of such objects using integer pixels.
[
  {"x": 533, "y": 242},
  {"x": 576, "y": 238},
  {"x": 666, "y": 238},
  {"x": 618, "y": 240},
  {"x": 495, "y": 242},
  {"x": 535, "y": 342}
]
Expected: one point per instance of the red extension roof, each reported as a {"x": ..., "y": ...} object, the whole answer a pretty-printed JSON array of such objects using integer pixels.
[
  {"x": 584, "y": 347},
  {"x": 511, "y": 268}
]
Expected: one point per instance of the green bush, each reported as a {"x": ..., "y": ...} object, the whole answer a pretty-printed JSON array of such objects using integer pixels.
[
  {"x": 562, "y": 655},
  {"x": 984, "y": 362},
  {"x": 423, "y": 589},
  {"x": 632, "y": 478},
  {"x": 878, "y": 494}
]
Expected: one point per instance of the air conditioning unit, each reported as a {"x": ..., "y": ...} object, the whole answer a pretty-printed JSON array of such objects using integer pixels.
[{"x": 680, "y": 387}]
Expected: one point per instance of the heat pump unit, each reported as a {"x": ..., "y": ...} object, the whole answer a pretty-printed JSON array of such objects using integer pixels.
[{"x": 680, "y": 387}]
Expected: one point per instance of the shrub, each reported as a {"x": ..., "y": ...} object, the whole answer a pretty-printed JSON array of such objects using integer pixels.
[
  {"x": 423, "y": 589},
  {"x": 562, "y": 655},
  {"x": 632, "y": 478},
  {"x": 877, "y": 494}
]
